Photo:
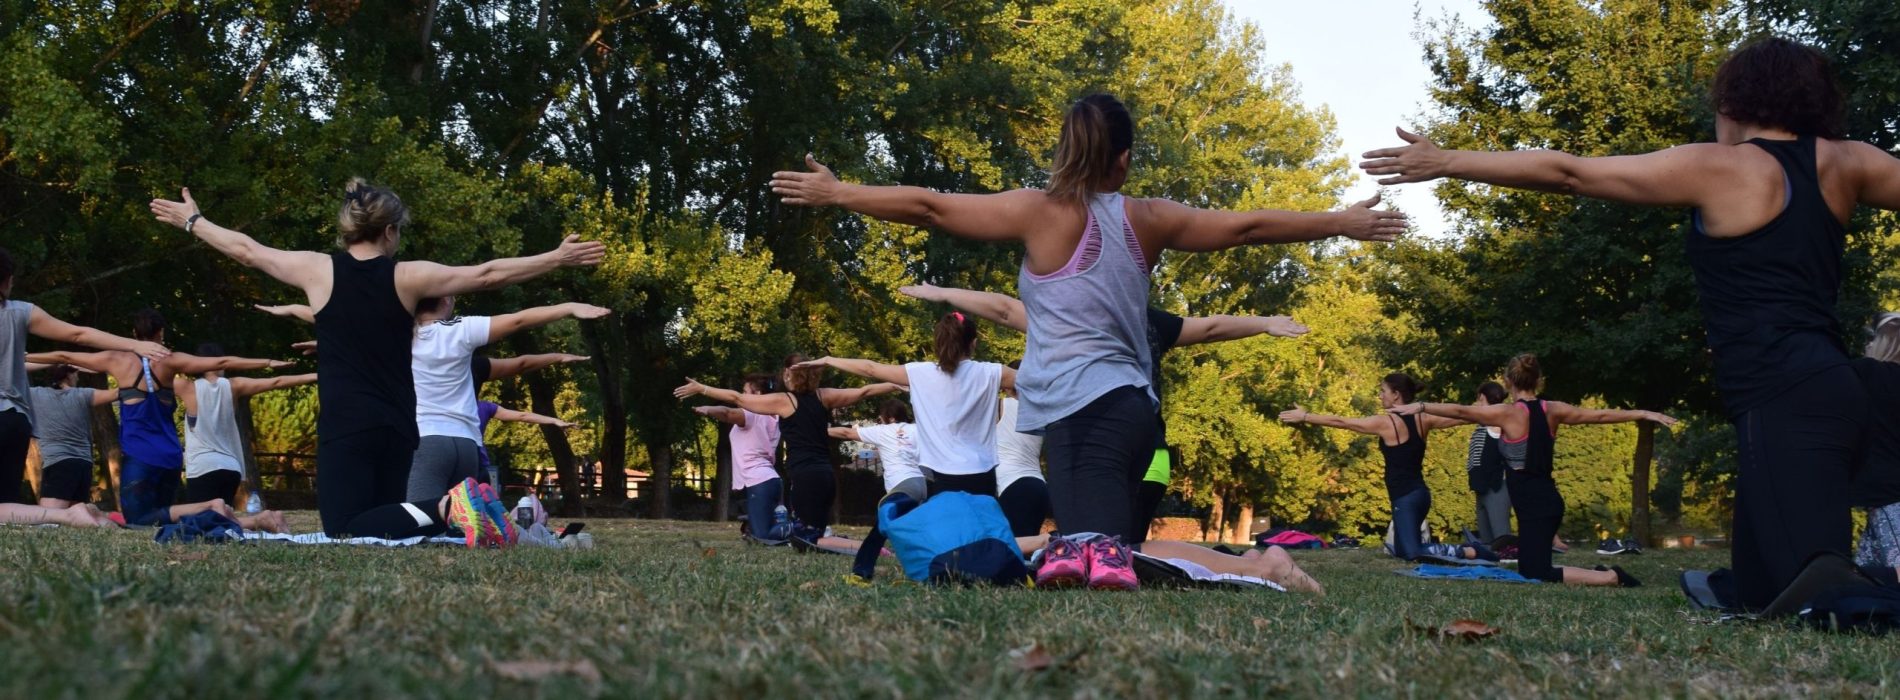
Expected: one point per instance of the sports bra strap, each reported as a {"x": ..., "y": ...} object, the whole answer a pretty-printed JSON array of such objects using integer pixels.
[{"x": 145, "y": 373}]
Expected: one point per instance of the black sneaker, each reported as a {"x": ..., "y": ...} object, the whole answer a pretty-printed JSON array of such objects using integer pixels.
[
  {"x": 1623, "y": 578},
  {"x": 1612, "y": 547},
  {"x": 1631, "y": 547}
]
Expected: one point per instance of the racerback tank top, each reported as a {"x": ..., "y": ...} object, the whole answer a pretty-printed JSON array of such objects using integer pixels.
[
  {"x": 363, "y": 337},
  {"x": 1768, "y": 298},
  {"x": 1404, "y": 462},
  {"x": 807, "y": 443}
]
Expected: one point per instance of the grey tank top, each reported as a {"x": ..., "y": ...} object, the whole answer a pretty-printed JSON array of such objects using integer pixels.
[
  {"x": 1088, "y": 322},
  {"x": 63, "y": 423},
  {"x": 14, "y": 394}
]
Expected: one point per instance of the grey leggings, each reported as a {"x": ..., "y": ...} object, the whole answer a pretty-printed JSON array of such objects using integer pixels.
[{"x": 440, "y": 463}]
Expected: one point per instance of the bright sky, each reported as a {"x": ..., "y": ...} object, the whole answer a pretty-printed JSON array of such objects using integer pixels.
[{"x": 1359, "y": 58}]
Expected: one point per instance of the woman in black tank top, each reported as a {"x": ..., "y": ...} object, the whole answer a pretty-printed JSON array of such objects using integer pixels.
[
  {"x": 1402, "y": 443},
  {"x": 365, "y": 307},
  {"x": 804, "y": 412},
  {"x": 1770, "y": 199},
  {"x": 1530, "y": 425}
]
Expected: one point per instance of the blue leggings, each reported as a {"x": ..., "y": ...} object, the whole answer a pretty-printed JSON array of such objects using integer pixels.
[
  {"x": 761, "y": 502},
  {"x": 146, "y": 493},
  {"x": 1408, "y": 515}
]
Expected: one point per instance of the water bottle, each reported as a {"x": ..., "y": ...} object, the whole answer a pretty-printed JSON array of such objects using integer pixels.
[
  {"x": 524, "y": 512},
  {"x": 253, "y": 504},
  {"x": 781, "y": 524}
]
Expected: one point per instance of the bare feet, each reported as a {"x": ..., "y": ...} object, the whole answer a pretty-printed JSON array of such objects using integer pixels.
[
  {"x": 267, "y": 521},
  {"x": 1283, "y": 570}
]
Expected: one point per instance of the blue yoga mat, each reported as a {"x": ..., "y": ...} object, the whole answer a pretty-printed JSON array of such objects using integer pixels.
[{"x": 1465, "y": 573}]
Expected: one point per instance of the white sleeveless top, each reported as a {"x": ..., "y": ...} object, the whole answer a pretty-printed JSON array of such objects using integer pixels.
[
  {"x": 211, "y": 440},
  {"x": 956, "y": 415}
]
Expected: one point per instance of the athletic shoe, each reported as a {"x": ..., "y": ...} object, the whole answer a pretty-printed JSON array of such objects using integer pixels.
[
  {"x": 1630, "y": 546},
  {"x": 1110, "y": 565},
  {"x": 1612, "y": 548},
  {"x": 467, "y": 512},
  {"x": 1623, "y": 578},
  {"x": 502, "y": 529},
  {"x": 1065, "y": 564}
]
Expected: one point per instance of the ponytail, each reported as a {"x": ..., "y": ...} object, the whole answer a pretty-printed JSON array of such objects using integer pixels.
[
  {"x": 1404, "y": 385},
  {"x": 1095, "y": 133},
  {"x": 1524, "y": 373},
  {"x": 955, "y": 340}
]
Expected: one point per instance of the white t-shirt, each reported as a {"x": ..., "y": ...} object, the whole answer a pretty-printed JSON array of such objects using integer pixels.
[
  {"x": 445, "y": 391},
  {"x": 956, "y": 415},
  {"x": 896, "y": 445},
  {"x": 1018, "y": 455}
]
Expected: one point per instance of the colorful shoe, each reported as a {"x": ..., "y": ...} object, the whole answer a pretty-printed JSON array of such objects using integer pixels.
[
  {"x": 502, "y": 531},
  {"x": 1065, "y": 564},
  {"x": 1111, "y": 566},
  {"x": 467, "y": 511}
]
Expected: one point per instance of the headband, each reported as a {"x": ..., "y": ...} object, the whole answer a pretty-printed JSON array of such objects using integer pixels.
[{"x": 958, "y": 315}]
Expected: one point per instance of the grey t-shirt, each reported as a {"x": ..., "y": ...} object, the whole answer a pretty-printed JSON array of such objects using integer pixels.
[
  {"x": 13, "y": 386},
  {"x": 63, "y": 423}
]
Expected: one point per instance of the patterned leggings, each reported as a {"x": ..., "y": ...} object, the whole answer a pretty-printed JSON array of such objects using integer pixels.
[{"x": 1880, "y": 542}]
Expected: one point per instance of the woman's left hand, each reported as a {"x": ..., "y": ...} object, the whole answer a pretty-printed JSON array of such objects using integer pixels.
[
  {"x": 817, "y": 188},
  {"x": 175, "y": 213}
]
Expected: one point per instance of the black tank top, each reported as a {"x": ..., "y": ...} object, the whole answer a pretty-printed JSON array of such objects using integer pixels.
[
  {"x": 1540, "y": 449},
  {"x": 807, "y": 442},
  {"x": 1877, "y": 482},
  {"x": 363, "y": 338},
  {"x": 1768, "y": 297},
  {"x": 1404, "y": 462}
]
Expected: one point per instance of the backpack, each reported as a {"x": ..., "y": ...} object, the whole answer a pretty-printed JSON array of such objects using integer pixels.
[
  {"x": 953, "y": 537},
  {"x": 1861, "y": 608}
]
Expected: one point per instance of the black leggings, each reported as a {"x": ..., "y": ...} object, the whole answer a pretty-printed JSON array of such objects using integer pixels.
[
  {"x": 1791, "y": 492},
  {"x": 1026, "y": 504},
  {"x": 813, "y": 487},
  {"x": 361, "y": 479},
  {"x": 15, "y": 433},
  {"x": 981, "y": 483},
  {"x": 1097, "y": 456},
  {"x": 1540, "y": 511}
]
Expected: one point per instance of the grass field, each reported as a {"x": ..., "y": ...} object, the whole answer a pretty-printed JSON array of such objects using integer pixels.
[{"x": 669, "y": 609}]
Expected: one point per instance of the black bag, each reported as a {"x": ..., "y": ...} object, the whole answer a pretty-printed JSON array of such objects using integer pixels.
[{"x": 1866, "y": 608}]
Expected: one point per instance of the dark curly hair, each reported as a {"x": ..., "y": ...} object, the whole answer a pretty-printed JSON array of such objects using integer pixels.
[{"x": 1780, "y": 83}]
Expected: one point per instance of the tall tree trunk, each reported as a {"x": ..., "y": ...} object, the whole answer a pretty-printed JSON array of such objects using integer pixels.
[
  {"x": 607, "y": 356},
  {"x": 1639, "y": 481},
  {"x": 541, "y": 398},
  {"x": 722, "y": 478},
  {"x": 1243, "y": 526},
  {"x": 660, "y": 484},
  {"x": 1215, "y": 522}
]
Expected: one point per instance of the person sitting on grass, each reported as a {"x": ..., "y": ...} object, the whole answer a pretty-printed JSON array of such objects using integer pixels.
[
  {"x": 1876, "y": 485},
  {"x": 754, "y": 438},
  {"x": 1402, "y": 442},
  {"x": 1269, "y": 564},
  {"x": 214, "y": 452},
  {"x": 1529, "y": 425},
  {"x": 62, "y": 423}
]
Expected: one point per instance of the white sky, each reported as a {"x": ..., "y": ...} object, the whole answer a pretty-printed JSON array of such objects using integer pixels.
[{"x": 1359, "y": 58}]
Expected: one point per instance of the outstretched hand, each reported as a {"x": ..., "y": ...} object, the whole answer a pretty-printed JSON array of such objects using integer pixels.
[
  {"x": 575, "y": 252},
  {"x": 1363, "y": 223},
  {"x": 808, "y": 364},
  {"x": 1285, "y": 327},
  {"x": 568, "y": 359},
  {"x": 1663, "y": 419},
  {"x": 150, "y": 350},
  {"x": 1296, "y": 415},
  {"x": 817, "y": 188},
  {"x": 1419, "y": 160},
  {"x": 308, "y": 347},
  {"x": 588, "y": 312},
  {"x": 278, "y": 364},
  {"x": 689, "y": 389},
  {"x": 1409, "y": 409},
  {"x": 925, "y": 292},
  {"x": 175, "y": 213}
]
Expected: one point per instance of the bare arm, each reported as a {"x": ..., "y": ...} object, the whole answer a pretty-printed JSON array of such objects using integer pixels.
[
  {"x": 839, "y": 398},
  {"x": 89, "y": 361},
  {"x": 1879, "y": 176},
  {"x": 868, "y": 369},
  {"x": 722, "y": 414},
  {"x": 1482, "y": 415},
  {"x": 1185, "y": 228},
  {"x": 45, "y": 326},
  {"x": 503, "y": 368},
  {"x": 1215, "y": 329},
  {"x": 187, "y": 393},
  {"x": 1683, "y": 176},
  {"x": 1009, "y": 377},
  {"x": 510, "y": 415},
  {"x": 301, "y": 312},
  {"x": 102, "y": 397},
  {"x": 1003, "y": 216},
  {"x": 187, "y": 363},
  {"x": 1001, "y": 309},
  {"x": 1369, "y": 425},
  {"x": 417, "y": 279},
  {"x": 245, "y": 386},
  {"x": 843, "y": 432},
  {"x": 1430, "y": 422},
  {"x": 301, "y": 269},
  {"x": 763, "y": 404},
  {"x": 1567, "y": 414},
  {"x": 507, "y": 324}
]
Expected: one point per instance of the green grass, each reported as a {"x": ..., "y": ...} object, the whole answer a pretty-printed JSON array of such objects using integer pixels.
[{"x": 667, "y": 609}]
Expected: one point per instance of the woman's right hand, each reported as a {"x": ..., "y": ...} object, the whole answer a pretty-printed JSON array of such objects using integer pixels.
[
  {"x": 817, "y": 188},
  {"x": 1295, "y": 416},
  {"x": 175, "y": 213},
  {"x": 308, "y": 347},
  {"x": 1408, "y": 409},
  {"x": 150, "y": 350},
  {"x": 1363, "y": 223},
  {"x": 575, "y": 252},
  {"x": 924, "y": 292}
]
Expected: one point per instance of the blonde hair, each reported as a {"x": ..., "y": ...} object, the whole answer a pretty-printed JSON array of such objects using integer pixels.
[
  {"x": 1095, "y": 133},
  {"x": 1886, "y": 343},
  {"x": 367, "y": 211},
  {"x": 1524, "y": 373}
]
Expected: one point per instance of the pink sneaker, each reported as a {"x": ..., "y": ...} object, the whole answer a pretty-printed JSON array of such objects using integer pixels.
[
  {"x": 1065, "y": 564},
  {"x": 1111, "y": 566}
]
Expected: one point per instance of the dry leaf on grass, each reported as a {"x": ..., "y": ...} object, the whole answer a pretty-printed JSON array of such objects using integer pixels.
[
  {"x": 808, "y": 586},
  {"x": 1032, "y": 658},
  {"x": 709, "y": 552},
  {"x": 537, "y": 670},
  {"x": 1460, "y": 630}
]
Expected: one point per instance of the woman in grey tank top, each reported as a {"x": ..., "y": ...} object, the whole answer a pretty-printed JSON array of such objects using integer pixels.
[
  {"x": 62, "y": 422},
  {"x": 1084, "y": 282}
]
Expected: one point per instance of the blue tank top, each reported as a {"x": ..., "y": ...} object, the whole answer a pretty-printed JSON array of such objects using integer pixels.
[
  {"x": 1768, "y": 298},
  {"x": 146, "y": 430},
  {"x": 1088, "y": 322}
]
